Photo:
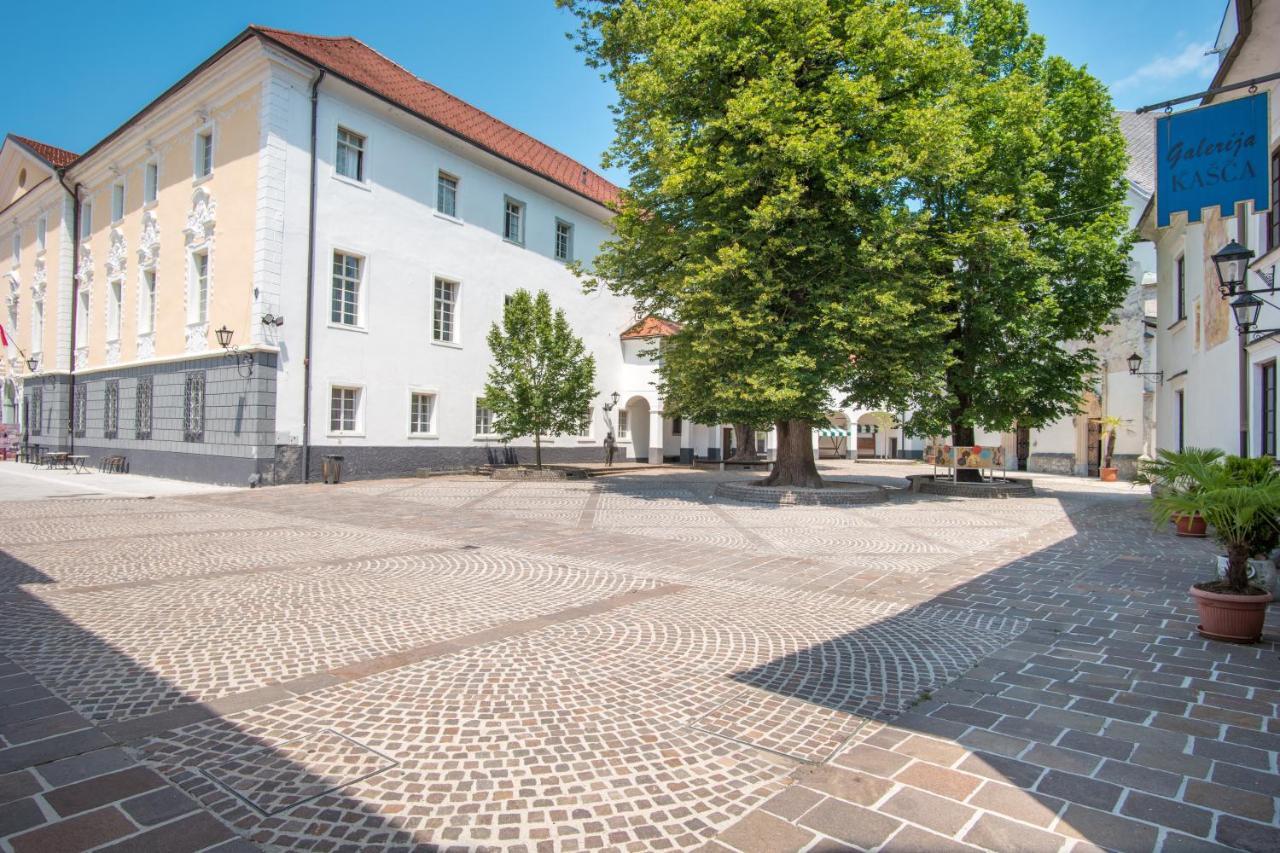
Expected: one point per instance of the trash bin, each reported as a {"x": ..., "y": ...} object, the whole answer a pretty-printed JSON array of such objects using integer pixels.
[{"x": 331, "y": 467}]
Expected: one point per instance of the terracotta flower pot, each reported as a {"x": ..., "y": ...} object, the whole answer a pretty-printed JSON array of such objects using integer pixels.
[
  {"x": 1107, "y": 475},
  {"x": 1230, "y": 617},
  {"x": 1192, "y": 525}
]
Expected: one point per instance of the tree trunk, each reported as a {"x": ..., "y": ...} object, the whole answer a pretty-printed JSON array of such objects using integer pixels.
[
  {"x": 962, "y": 436},
  {"x": 537, "y": 450},
  {"x": 1238, "y": 568},
  {"x": 1111, "y": 448},
  {"x": 743, "y": 452},
  {"x": 795, "y": 465}
]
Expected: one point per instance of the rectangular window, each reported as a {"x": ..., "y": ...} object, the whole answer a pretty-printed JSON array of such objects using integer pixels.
[
  {"x": 422, "y": 412},
  {"x": 113, "y": 310},
  {"x": 80, "y": 411},
  {"x": 484, "y": 419},
  {"x": 199, "y": 306},
  {"x": 37, "y": 325},
  {"x": 624, "y": 424},
  {"x": 117, "y": 201},
  {"x": 444, "y": 312},
  {"x": 1179, "y": 412},
  {"x": 446, "y": 194},
  {"x": 513, "y": 221},
  {"x": 193, "y": 407},
  {"x": 111, "y": 409},
  {"x": 204, "y": 153},
  {"x": 150, "y": 182},
  {"x": 1180, "y": 287},
  {"x": 82, "y": 321},
  {"x": 762, "y": 443},
  {"x": 1267, "y": 429},
  {"x": 148, "y": 315},
  {"x": 344, "y": 409},
  {"x": 42, "y": 233},
  {"x": 350, "y": 161},
  {"x": 1273, "y": 215},
  {"x": 345, "y": 303},
  {"x": 17, "y": 247},
  {"x": 86, "y": 219},
  {"x": 35, "y": 410},
  {"x": 142, "y": 409},
  {"x": 677, "y": 426},
  {"x": 584, "y": 430},
  {"x": 564, "y": 241}
]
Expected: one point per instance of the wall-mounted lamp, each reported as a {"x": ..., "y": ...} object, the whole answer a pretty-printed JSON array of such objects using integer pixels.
[
  {"x": 1135, "y": 365},
  {"x": 33, "y": 363},
  {"x": 243, "y": 359},
  {"x": 272, "y": 320}
]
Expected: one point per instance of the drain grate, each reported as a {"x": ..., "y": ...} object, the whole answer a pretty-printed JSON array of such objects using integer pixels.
[
  {"x": 791, "y": 727},
  {"x": 274, "y": 779}
]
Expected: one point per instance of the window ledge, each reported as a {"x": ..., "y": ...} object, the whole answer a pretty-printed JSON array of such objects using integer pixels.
[
  {"x": 1177, "y": 325},
  {"x": 447, "y": 344},
  {"x": 150, "y": 205},
  {"x": 447, "y": 218},
  {"x": 519, "y": 243},
  {"x": 424, "y": 435},
  {"x": 343, "y": 327},
  {"x": 344, "y": 435},
  {"x": 197, "y": 181},
  {"x": 352, "y": 182},
  {"x": 487, "y": 436}
]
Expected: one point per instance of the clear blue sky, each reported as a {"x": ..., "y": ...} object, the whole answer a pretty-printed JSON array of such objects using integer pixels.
[{"x": 509, "y": 57}]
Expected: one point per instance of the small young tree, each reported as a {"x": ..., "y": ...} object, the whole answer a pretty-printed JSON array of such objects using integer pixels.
[{"x": 542, "y": 379}]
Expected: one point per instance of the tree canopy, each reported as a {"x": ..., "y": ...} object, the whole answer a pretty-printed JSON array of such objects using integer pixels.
[
  {"x": 541, "y": 381},
  {"x": 887, "y": 203}
]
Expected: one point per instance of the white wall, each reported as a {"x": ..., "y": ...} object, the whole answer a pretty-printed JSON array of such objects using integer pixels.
[{"x": 392, "y": 223}]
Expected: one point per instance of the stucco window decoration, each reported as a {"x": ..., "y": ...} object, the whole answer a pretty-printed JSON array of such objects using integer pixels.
[
  {"x": 199, "y": 238},
  {"x": 84, "y": 275},
  {"x": 148, "y": 253}
]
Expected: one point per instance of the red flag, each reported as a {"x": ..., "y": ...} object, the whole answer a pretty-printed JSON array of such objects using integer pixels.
[{"x": 4, "y": 339}]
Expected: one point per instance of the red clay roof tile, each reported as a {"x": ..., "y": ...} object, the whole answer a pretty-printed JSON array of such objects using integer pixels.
[
  {"x": 651, "y": 327},
  {"x": 55, "y": 157},
  {"x": 357, "y": 63}
]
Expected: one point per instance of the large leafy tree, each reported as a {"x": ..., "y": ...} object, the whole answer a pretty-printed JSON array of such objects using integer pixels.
[
  {"x": 773, "y": 147},
  {"x": 541, "y": 381},
  {"x": 1030, "y": 228}
]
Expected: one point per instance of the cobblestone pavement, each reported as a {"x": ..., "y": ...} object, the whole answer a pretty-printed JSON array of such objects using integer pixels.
[{"x": 624, "y": 663}]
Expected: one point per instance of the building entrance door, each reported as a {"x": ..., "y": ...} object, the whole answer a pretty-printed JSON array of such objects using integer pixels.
[
  {"x": 1094, "y": 446},
  {"x": 1024, "y": 447}
]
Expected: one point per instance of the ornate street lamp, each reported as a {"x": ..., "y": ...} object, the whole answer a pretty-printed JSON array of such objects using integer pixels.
[
  {"x": 33, "y": 363},
  {"x": 1135, "y": 369},
  {"x": 243, "y": 359},
  {"x": 1232, "y": 264},
  {"x": 1247, "y": 308}
]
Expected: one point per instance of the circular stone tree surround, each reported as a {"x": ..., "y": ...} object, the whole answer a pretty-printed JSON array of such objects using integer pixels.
[
  {"x": 927, "y": 484},
  {"x": 833, "y": 494}
]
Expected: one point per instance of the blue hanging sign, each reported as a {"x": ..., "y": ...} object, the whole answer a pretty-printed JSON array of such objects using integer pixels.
[{"x": 1213, "y": 156}]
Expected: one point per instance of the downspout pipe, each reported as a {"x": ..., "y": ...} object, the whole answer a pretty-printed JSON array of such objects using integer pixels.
[
  {"x": 74, "y": 192},
  {"x": 311, "y": 277}
]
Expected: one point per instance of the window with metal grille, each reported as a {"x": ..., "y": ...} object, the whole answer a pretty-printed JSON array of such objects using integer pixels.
[
  {"x": 80, "y": 411},
  {"x": 344, "y": 409},
  {"x": 193, "y": 407},
  {"x": 111, "y": 409},
  {"x": 564, "y": 241},
  {"x": 142, "y": 409},
  {"x": 422, "y": 410},
  {"x": 345, "y": 303},
  {"x": 350, "y": 162},
  {"x": 444, "y": 325},
  {"x": 446, "y": 194},
  {"x": 35, "y": 411}
]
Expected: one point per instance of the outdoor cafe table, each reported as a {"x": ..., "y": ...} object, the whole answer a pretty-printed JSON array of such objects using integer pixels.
[{"x": 57, "y": 458}]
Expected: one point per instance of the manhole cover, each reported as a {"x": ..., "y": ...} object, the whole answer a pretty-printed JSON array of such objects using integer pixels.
[
  {"x": 277, "y": 778},
  {"x": 790, "y": 727}
]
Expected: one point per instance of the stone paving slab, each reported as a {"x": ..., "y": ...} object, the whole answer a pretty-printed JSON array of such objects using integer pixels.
[{"x": 538, "y": 660}]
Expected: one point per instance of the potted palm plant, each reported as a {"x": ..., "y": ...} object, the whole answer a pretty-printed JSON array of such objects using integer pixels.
[
  {"x": 1174, "y": 470},
  {"x": 1241, "y": 503},
  {"x": 1107, "y": 471}
]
